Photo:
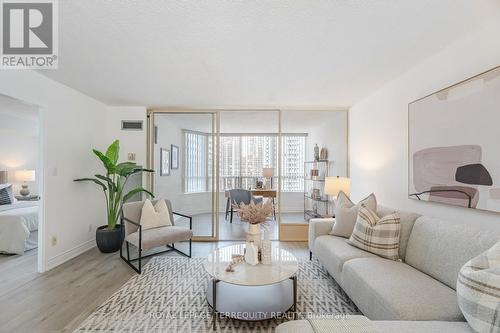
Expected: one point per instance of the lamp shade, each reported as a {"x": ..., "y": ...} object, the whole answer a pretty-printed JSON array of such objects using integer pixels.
[
  {"x": 333, "y": 185},
  {"x": 25, "y": 175},
  {"x": 268, "y": 172}
]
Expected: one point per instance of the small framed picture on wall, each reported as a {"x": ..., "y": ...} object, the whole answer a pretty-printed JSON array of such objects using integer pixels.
[
  {"x": 164, "y": 162},
  {"x": 175, "y": 157}
]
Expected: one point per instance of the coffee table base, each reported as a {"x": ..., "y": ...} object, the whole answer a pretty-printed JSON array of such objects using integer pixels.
[{"x": 253, "y": 303}]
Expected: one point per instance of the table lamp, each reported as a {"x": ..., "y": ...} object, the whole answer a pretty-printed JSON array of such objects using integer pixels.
[
  {"x": 268, "y": 173},
  {"x": 333, "y": 186},
  {"x": 25, "y": 176}
]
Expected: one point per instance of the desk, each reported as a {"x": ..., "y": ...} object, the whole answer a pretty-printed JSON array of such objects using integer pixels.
[
  {"x": 266, "y": 193},
  {"x": 259, "y": 192}
]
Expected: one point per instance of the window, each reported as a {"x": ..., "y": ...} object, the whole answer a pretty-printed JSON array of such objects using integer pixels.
[
  {"x": 293, "y": 152},
  {"x": 195, "y": 162},
  {"x": 241, "y": 159}
]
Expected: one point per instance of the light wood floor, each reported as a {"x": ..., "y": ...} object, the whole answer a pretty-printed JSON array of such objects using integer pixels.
[{"x": 59, "y": 300}]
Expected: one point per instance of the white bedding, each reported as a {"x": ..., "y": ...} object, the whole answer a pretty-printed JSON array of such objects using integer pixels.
[{"x": 17, "y": 222}]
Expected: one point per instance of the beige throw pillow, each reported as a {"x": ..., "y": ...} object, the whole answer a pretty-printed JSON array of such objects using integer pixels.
[
  {"x": 377, "y": 235},
  {"x": 346, "y": 213},
  {"x": 155, "y": 217}
]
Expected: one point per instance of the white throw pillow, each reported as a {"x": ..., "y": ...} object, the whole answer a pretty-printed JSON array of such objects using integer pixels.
[
  {"x": 155, "y": 217},
  {"x": 478, "y": 290},
  {"x": 346, "y": 213}
]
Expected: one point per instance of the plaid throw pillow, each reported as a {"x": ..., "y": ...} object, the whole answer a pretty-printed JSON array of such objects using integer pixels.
[
  {"x": 478, "y": 291},
  {"x": 6, "y": 196},
  {"x": 377, "y": 235}
]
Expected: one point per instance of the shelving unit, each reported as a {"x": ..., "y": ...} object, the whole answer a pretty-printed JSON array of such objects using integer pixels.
[{"x": 315, "y": 200}]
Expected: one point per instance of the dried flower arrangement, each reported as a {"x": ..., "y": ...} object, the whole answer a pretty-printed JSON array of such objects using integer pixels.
[{"x": 254, "y": 213}]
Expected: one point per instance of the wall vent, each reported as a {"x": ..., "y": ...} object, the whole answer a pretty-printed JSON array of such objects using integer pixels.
[{"x": 132, "y": 125}]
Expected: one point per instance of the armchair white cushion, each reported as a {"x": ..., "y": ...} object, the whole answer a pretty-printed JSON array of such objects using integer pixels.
[{"x": 155, "y": 216}]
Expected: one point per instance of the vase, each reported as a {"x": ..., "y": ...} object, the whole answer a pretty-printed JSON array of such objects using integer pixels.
[
  {"x": 251, "y": 254},
  {"x": 253, "y": 234},
  {"x": 266, "y": 248}
]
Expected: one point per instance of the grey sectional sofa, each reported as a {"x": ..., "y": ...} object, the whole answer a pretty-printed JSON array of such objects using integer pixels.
[{"x": 419, "y": 288}]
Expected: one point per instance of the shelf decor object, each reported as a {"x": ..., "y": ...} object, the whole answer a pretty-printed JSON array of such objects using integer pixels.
[
  {"x": 25, "y": 176},
  {"x": 315, "y": 200}
]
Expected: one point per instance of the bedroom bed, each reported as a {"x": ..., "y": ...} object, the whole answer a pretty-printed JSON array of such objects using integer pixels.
[{"x": 18, "y": 227}]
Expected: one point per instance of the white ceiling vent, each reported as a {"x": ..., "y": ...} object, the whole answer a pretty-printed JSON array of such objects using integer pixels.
[{"x": 132, "y": 125}]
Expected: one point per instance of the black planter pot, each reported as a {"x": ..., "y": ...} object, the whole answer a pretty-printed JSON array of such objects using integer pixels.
[{"x": 109, "y": 241}]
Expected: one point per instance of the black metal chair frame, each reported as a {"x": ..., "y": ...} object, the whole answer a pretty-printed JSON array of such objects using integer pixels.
[{"x": 170, "y": 247}]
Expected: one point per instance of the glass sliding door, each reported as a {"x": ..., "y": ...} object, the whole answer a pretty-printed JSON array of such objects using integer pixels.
[
  {"x": 248, "y": 160},
  {"x": 183, "y": 155}
]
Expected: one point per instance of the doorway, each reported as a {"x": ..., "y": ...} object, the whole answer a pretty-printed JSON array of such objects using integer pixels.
[{"x": 21, "y": 188}]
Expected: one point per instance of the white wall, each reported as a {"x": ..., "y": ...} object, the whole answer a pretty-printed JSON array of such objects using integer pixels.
[
  {"x": 71, "y": 125},
  {"x": 379, "y": 125}
]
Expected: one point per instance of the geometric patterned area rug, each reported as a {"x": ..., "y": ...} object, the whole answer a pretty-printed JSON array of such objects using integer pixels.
[{"x": 170, "y": 296}]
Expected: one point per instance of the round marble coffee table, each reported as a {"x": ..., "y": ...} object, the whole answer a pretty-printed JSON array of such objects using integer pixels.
[{"x": 251, "y": 292}]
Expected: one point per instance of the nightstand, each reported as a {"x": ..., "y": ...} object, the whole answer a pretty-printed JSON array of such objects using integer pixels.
[{"x": 28, "y": 198}]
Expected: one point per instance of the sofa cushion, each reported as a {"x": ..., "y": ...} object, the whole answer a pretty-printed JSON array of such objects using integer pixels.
[
  {"x": 303, "y": 326},
  {"x": 378, "y": 235},
  {"x": 333, "y": 252},
  {"x": 406, "y": 220},
  {"x": 346, "y": 213},
  {"x": 440, "y": 248},
  {"x": 390, "y": 290},
  {"x": 162, "y": 236}
]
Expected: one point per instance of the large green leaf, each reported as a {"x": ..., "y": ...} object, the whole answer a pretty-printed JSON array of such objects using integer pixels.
[
  {"x": 126, "y": 168},
  {"x": 142, "y": 170},
  {"x": 96, "y": 181},
  {"x": 113, "y": 152},
  {"x": 110, "y": 166},
  {"x": 111, "y": 183},
  {"x": 134, "y": 192}
]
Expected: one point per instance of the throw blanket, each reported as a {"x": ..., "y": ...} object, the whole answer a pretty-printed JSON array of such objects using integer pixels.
[
  {"x": 16, "y": 224},
  {"x": 348, "y": 324}
]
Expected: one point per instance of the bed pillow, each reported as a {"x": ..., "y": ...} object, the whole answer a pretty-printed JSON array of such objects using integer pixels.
[
  {"x": 378, "y": 235},
  {"x": 478, "y": 290},
  {"x": 155, "y": 216},
  {"x": 346, "y": 213},
  {"x": 6, "y": 196}
]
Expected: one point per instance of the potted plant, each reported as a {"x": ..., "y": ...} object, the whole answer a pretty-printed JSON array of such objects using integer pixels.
[{"x": 109, "y": 238}]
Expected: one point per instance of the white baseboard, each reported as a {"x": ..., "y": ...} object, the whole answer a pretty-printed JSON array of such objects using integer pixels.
[{"x": 69, "y": 254}]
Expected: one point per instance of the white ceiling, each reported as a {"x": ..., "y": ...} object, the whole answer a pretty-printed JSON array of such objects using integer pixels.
[{"x": 251, "y": 53}]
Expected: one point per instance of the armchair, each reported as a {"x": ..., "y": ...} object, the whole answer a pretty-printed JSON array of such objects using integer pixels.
[{"x": 151, "y": 238}]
